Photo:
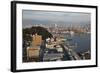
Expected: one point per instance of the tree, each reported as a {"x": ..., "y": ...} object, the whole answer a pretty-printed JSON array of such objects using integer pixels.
[{"x": 27, "y": 32}]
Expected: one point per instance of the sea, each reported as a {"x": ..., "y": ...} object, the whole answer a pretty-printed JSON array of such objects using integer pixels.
[{"x": 81, "y": 41}]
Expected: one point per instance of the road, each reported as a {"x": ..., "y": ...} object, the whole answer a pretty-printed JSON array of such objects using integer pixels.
[{"x": 70, "y": 53}]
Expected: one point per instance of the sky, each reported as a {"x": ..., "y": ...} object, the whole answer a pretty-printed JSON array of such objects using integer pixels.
[{"x": 49, "y": 18}]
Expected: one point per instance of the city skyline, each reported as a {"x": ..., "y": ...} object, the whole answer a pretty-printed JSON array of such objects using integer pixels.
[
  {"x": 49, "y": 18},
  {"x": 55, "y": 36}
]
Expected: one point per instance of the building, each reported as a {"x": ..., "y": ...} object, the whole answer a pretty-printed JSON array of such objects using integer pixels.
[
  {"x": 36, "y": 40},
  {"x": 33, "y": 50},
  {"x": 52, "y": 56}
]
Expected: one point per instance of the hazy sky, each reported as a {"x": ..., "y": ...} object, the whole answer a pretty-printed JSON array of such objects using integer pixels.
[{"x": 31, "y": 17}]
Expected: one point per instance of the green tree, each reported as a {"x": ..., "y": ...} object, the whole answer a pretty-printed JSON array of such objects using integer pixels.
[{"x": 27, "y": 32}]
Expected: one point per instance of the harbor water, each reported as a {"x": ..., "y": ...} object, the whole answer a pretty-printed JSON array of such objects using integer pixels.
[{"x": 83, "y": 41}]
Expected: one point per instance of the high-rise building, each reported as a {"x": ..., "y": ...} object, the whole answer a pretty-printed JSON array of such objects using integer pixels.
[
  {"x": 33, "y": 50},
  {"x": 36, "y": 40}
]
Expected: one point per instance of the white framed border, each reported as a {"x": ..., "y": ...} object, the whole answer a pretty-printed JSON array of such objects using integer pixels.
[{"x": 38, "y": 65}]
